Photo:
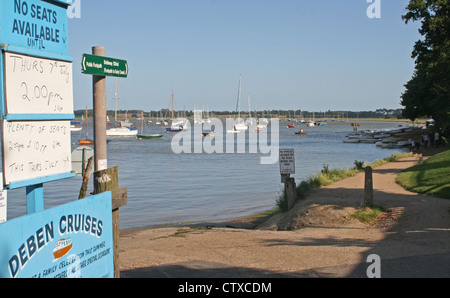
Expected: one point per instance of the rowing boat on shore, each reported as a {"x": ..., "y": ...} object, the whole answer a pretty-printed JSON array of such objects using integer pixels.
[{"x": 383, "y": 139}]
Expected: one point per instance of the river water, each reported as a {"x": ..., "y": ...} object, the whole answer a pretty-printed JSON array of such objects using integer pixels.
[{"x": 166, "y": 187}]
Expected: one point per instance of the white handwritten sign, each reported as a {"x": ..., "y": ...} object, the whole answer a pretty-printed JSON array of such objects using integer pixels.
[
  {"x": 37, "y": 85},
  {"x": 34, "y": 149}
]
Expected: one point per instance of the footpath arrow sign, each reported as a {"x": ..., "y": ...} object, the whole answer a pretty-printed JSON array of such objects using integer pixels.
[{"x": 104, "y": 66}]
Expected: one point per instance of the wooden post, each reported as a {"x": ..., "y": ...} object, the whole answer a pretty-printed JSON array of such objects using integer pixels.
[
  {"x": 368, "y": 187},
  {"x": 105, "y": 179},
  {"x": 86, "y": 174},
  {"x": 290, "y": 191},
  {"x": 108, "y": 180},
  {"x": 99, "y": 92}
]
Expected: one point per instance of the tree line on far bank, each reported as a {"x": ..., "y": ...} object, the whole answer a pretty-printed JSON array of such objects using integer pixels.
[{"x": 299, "y": 114}]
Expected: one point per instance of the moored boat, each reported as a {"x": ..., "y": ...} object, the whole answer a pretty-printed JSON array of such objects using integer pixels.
[
  {"x": 150, "y": 136},
  {"x": 301, "y": 132},
  {"x": 121, "y": 131}
]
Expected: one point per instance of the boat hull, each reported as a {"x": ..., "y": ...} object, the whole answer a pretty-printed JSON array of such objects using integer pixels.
[
  {"x": 171, "y": 130},
  {"x": 89, "y": 142},
  {"x": 121, "y": 132},
  {"x": 146, "y": 137},
  {"x": 86, "y": 142}
]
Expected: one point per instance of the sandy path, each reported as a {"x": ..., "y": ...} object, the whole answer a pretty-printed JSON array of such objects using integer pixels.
[{"x": 412, "y": 240}]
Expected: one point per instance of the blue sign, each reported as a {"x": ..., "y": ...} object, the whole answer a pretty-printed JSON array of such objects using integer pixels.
[
  {"x": 71, "y": 240},
  {"x": 35, "y": 25}
]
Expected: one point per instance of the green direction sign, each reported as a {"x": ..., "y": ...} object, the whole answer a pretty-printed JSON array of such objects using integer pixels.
[{"x": 104, "y": 66}]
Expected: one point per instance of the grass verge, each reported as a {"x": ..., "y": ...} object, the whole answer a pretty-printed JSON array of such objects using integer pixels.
[
  {"x": 432, "y": 177},
  {"x": 368, "y": 214}
]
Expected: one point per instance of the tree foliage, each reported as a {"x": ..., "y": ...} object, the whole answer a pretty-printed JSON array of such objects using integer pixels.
[{"x": 427, "y": 94}]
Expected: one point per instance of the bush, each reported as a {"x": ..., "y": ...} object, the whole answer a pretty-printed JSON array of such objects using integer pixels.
[
  {"x": 359, "y": 165},
  {"x": 282, "y": 202}
]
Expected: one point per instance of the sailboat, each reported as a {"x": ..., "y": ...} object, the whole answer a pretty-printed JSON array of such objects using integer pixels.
[
  {"x": 311, "y": 123},
  {"x": 240, "y": 126},
  {"x": 86, "y": 140},
  {"x": 120, "y": 131},
  {"x": 74, "y": 126},
  {"x": 144, "y": 136},
  {"x": 177, "y": 125}
]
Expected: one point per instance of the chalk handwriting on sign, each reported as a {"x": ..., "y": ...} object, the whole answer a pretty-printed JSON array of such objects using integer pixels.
[
  {"x": 287, "y": 161},
  {"x": 34, "y": 149},
  {"x": 37, "y": 85}
]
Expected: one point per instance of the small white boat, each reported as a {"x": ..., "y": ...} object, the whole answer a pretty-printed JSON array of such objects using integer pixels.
[
  {"x": 121, "y": 132},
  {"x": 240, "y": 126},
  {"x": 75, "y": 128}
]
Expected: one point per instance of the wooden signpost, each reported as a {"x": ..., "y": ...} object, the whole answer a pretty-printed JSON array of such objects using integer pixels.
[
  {"x": 287, "y": 167},
  {"x": 105, "y": 179}
]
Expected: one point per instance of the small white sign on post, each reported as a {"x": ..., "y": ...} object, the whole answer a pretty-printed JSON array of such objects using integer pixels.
[{"x": 287, "y": 161}]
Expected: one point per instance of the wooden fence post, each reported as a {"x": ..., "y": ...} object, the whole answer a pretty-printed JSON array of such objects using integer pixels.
[
  {"x": 368, "y": 187},
  {"x": 86, "y": 175},
  {"x": 108, "y": 180},
  {"x": 290, "y": 191}
]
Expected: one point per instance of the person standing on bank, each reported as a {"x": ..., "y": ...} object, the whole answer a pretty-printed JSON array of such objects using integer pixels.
[
  {"x": 425, "y": 141},
  {"x": 436, "y": 139}
]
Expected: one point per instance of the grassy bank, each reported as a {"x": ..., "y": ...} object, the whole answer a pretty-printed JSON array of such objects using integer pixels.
[
  {"x": 328, "y": 176},
  {"x": 431, "y": 177}
]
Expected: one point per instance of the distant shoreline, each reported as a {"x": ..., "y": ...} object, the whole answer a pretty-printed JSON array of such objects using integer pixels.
[{"x": 417, "y": 121}]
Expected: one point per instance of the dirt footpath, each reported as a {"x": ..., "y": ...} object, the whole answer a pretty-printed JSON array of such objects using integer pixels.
[{"x": 317, "y": 238}]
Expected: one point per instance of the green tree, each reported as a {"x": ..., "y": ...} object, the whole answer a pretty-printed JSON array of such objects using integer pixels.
[{"x": 427, "y": 94}]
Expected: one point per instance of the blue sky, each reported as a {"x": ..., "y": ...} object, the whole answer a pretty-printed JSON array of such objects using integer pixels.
[{"x": 292, "y": 54}]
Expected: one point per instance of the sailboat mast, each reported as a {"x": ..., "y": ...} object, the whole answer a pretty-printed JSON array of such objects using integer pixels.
[
  {"x": 86, "y": 124},
  {"x": 172, "y": 105},
  {"x": 249, "y": 111},
  {"x": 142, "y": 122},
  {"x": 239, "y": 97},
  {"x": 115, "y": 108}
]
